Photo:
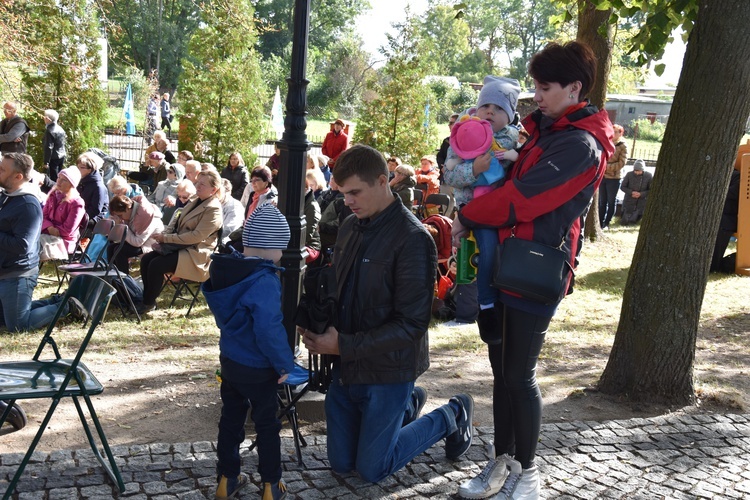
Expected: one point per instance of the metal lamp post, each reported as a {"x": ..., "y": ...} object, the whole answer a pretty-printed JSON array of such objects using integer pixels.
[{"x": 292, "y": 165}]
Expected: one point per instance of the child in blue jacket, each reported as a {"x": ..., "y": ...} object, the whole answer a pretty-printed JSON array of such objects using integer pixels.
[{"x": 244, "y": 294}]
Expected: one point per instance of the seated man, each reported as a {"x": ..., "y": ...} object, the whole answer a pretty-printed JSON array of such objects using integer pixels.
[
  {"x": 385, "y": 268},
  {"x": 636, "y": 186},
  {"x": 20, "y": 227}
]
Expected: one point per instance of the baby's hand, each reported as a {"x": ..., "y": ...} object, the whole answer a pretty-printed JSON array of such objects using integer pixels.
[
  {"x": 451, "y": 164},
  {"x": 482, "y": 163},
  {"x": 509, "y": 154}
]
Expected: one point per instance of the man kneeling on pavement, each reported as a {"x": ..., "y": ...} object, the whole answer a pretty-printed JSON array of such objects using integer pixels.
[{"x": 385, "y": 265}]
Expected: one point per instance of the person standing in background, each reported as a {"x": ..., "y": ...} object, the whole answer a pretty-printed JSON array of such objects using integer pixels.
[
  {"x": 335, "y": 143},
  {"x": 166, "y": 114},
  {"x": 53, "y": 144},
  {"x": 14, "y": 131}
]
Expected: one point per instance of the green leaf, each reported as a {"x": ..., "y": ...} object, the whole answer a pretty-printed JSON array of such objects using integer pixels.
[{"x": 659, "y": 69}]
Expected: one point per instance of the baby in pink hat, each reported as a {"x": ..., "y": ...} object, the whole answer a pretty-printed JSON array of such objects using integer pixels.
[{"x": 484, "y": 132}]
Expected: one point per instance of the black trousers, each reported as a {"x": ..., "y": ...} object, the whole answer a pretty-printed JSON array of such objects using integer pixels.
[
  {"x": 54, "y": 167},
  {"x": 153, "y": 268},
  {"x": 121, "y": 262},
  {"x": 517, "y": 400}
]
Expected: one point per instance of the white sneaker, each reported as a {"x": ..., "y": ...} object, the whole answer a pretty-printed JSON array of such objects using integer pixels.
[
  {"x": 488, "y": 482},
  {"x": 521, "y": 484}
]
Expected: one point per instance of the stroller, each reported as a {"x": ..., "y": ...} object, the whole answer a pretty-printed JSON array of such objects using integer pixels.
[
  {"x": 110, "y": 167},
  {"x": 443, "y": 305}
]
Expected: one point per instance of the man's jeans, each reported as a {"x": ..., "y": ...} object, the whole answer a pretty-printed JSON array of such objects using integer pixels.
[
  {"x": 18, "y": 312},
  {"x": 364, "y": 428}
]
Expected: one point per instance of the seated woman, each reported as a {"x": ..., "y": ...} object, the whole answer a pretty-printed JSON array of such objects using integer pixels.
[
  {"x": 184, "y": 192},
  {"x": 158, "y": 135},
  {"x": 118, "y": 185},
  {"x": 231, "y": 210},
  {"x": 196, "y": 230},
  {"x": 164, "y": 194},
  {"x": 313, "y": 179},
  {"x": 259, "y": 191},
  {"x": 62, "y": 214},
  {"x": 152, "y": 172},
  {"x": 403, "y": 184},
  {"x": 92, "y": 188},
  {"x": 143, "y": 220},
  {"x": 236, "y": 172}
]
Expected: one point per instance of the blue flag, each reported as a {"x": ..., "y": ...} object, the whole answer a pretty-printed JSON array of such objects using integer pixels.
[
  {"x": 127, "y": 112},
  {"x": 426, "y": 123}
]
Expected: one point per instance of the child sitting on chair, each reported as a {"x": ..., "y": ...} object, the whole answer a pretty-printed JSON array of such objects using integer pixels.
[
  {"x": 244, "y": 294},
  {"x": 481, "y": 148}
]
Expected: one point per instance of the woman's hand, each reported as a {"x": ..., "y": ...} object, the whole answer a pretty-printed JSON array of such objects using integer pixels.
[
  {"x": 158, "y": 237},
  {"x": 53, "y": 231},
  {"x": 282, "y": 379},
  {"x": 482, "y": 163},
  {"x": 510, "y": 155},
  {"x": 458, "y": 231}
]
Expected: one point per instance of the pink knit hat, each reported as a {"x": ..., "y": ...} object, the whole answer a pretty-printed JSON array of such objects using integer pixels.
[
  {"x": 72, "y": 174},
  {"x": 471, "y": 138}
]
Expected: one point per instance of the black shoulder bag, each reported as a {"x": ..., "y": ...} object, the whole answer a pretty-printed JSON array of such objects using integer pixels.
[{"x": 532, "y": 270}]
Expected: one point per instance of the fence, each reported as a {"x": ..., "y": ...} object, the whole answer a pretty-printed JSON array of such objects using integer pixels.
[{"x": 129, "y": 149}]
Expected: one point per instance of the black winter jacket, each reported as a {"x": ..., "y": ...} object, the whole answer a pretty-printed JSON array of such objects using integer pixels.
[
  {"x": 53, "y": 143},
  {"x": 385, "y": 270}
]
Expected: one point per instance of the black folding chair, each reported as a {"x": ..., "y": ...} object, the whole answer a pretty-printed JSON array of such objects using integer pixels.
[
  {"x": 89, "y": 259},
  {"x": 443, "y": 201},
  {"x": 59, "y": 378},
  {"x": 74, "y": 256}
]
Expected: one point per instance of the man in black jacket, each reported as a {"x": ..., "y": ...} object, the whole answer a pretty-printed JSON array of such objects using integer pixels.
[
  {"x": 385, "y": 265},
  {"x": 53, "y": 144}
]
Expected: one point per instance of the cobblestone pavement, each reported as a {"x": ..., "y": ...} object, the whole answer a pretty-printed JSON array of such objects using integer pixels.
[{"x": 674, "y": 457}]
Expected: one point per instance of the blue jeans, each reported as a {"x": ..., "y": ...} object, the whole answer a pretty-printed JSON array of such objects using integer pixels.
[
  {"x": 242, "y": 388},
  {"x": 365, "y": 428},
  {"x": 607, "y": 200},
  {"x": 487, "y": 242},
  {"x": 18, "y": 312}
]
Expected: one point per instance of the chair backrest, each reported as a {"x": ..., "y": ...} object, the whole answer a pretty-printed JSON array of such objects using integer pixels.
[
  {"x": 78, "y": 250},
  {"x": 418, "y": 196},
  {"x": 116, "y": 237},
  {"x": 95, "y": 294},
  {"x": 104, "y": 226},
  {"x": 167, "y": 213},
  {"x": 439, "y": 199}
]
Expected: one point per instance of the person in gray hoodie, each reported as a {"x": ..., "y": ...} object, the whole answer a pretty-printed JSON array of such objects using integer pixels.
[{"x": 164, "y": 194}]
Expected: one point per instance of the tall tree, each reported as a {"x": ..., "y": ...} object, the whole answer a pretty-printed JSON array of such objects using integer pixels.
[
  {"x": 654, "y": 349},
  {"x": 595, "y": 31},
  {"x": 329, "y": 23},
  {"x": 222, "y": 91},
  {"x": 152, "y": 34},
  {"x": 394, "y": 120},
  {"x": 64, "y": 74}
]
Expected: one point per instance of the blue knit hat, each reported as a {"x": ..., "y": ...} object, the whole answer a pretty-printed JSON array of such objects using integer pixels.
[{"x": 266, "y": 228}]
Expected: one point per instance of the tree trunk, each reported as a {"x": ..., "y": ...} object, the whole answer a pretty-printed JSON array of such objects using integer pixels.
[
  {"x": 591, "y": 22},
  {"x": 654, "y": 349}
]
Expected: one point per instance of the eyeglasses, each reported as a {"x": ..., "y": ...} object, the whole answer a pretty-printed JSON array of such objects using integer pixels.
[
  {"x": 256, "y": 179},
  {"x": 184, "y": 197}
]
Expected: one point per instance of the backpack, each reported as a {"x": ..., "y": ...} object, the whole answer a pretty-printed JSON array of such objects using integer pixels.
[{"x": 133, "y": 288}]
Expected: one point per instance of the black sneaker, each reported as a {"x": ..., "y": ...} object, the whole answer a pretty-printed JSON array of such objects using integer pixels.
[
  {"x": 17, "y": 417},
  {"x": 77, "y": 309},
  {"x": 418, "y": 399},
  {"x": 144, "y": 309},
  {"x": 460, "y": 441},
  {"x": 490, "y": 329}
]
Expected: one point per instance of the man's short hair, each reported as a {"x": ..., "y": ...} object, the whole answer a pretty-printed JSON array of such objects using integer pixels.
[
  {"x": 22, "y": 163},
  {"x": 52, "y": 115},
  {"x": 186, "y": 154},
  {"x": 363, "y": 161}
]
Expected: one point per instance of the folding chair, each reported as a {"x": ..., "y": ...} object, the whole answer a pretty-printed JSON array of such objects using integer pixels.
[
  {"x": 298, "y": 378},
  {"x": 75, "y": 256},
  {"x": 417, "y": 208},
  {"x": 442, "y": 200},
  {"x": 109, "y": 271},
  {"x": 89, "y": 259},
  {"x": 59, "y": 378}
]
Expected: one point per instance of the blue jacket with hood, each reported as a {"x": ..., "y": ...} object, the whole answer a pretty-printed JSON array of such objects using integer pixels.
[{"x": 244, "y": 294}]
